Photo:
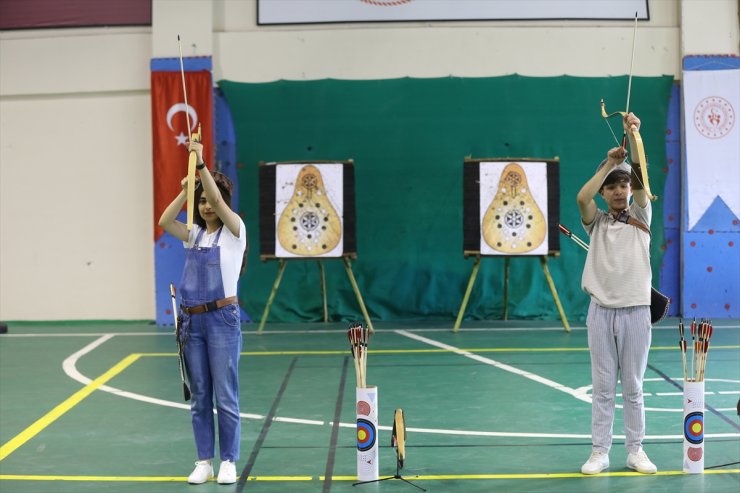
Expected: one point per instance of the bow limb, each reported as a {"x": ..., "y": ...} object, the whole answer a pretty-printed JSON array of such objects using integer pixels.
[
  {"x": 606, "y": 117},
  {"x": 640, "y": 148}
]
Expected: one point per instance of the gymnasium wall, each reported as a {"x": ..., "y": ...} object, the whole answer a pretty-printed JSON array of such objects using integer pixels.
[{"x": 75, "y": 134}]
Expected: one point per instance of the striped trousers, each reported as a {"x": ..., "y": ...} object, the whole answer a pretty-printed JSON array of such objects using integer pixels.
[{"x": 619, "y": 342}]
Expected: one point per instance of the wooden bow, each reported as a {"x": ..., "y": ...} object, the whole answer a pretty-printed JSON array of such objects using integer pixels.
[
  {"x": 640, "y": 148},
  {"x": 193, "y": 157}
]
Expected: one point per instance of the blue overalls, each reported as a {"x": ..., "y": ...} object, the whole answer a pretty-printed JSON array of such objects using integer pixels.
[{"x": 213, "y": 342}]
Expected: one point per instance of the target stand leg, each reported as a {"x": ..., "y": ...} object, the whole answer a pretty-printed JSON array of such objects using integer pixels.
[{"x": 396, "y": 476}]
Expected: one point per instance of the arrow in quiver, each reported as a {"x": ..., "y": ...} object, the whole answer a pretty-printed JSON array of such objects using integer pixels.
[
  {"x": 309, "y": 224},
  {"x": 513, "y": 223}
]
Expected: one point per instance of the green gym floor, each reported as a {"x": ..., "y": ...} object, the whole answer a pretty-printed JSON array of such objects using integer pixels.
[{"x": 497, "y": 406}]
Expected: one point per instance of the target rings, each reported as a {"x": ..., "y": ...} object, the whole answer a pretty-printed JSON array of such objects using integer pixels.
[
  {"x": 365, "y": 435},
  {"x": 693, "y": 427}
]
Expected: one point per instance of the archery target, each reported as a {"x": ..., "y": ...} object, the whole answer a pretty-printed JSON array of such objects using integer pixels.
[
  {"x": 366, "y": 435},
  {"x": 693, "y": 427}
]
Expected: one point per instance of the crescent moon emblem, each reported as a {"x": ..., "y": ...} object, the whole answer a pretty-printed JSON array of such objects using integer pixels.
[{"x": 178, "y": 107}]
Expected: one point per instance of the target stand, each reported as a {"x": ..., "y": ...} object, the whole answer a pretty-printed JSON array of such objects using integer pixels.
[
  {"x": 511, "y": 208},
  {"x": 474, "y": 273},
  {"x": 307, "y": 212},
  {"x": 398, "y": 441},
  {"x": 282, "y": 264}
]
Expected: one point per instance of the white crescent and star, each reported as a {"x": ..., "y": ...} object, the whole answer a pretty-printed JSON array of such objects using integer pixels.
[{"x": 177, "y": 108}]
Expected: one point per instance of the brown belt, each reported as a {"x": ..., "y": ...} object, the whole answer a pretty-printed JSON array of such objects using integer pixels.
[{"x": 211, "y": 306}]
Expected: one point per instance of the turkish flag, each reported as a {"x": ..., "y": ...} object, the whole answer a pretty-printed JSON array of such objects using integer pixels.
[{"x": 170, "y": 132}]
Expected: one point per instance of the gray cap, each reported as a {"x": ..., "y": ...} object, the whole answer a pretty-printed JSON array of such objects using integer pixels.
[{"x": 622, "y": 167}]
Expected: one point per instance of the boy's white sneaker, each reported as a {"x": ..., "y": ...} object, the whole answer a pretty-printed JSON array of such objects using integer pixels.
[
  {"x": 227, "y": 472},
  {"x": 596, "y": 463},
  {"x": 203, "y": 472},
  {"x": 639, "y": 462}
]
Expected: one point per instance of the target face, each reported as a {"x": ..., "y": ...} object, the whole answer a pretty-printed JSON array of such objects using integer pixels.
[
  {"x": 365, "y": 435},
  {"x": 693, "y": 427}
]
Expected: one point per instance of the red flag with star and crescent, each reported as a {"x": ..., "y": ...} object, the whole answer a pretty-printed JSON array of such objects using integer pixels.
[{"x": 170, "y": 131}]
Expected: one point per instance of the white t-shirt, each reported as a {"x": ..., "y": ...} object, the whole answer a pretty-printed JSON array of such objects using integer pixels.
[
  {"x": 231, "y": 252},
  {"x": 617, "y": 272}
]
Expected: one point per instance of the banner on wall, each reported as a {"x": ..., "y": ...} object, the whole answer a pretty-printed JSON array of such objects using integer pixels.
[
  {"x": 170, "y": 157},
  {"x": 711, "y": 106},
  {"x": 321, "y": 11},
  {"x": 170, "y": 133}
]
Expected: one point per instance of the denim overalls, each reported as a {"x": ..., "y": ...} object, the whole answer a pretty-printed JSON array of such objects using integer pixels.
[{"x": 212, "y": 347}]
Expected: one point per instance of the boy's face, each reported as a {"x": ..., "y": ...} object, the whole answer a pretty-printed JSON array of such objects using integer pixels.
[{"x": 617, "y": 195}]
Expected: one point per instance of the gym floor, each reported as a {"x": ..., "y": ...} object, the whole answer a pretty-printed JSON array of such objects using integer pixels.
[{"x": 497, "y": 406}]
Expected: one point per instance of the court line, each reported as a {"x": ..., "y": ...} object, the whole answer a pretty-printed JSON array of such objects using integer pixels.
[
  {"x": 580, "y": 393},
  {"x": 439, "y": 477},
  {"x": 268, "y": 332},
  {"x": 512, "y": 369},
  {"x": 27, "y": 434},
  {"x": 179, "y": 479},
  {"x": 329, "y": 471},
  {"x": 709, "y": 408},
  {"x": 71, "y": 370},
  {"x": 265, "y": 428}
]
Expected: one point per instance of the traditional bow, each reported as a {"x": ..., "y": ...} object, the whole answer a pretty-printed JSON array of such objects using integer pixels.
[
  {"x": 640, "y": 148},
  {"x": 192, "y": 158}
]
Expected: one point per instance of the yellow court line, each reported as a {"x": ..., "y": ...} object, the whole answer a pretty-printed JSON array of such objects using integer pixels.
[
  {"x": 447, "y": 477},
  {"x": 24, "y": 436},
  {"x": 440, "y": 477},
  {"x": 408, "y": 351},
  {"x": 152, "y": 479}
]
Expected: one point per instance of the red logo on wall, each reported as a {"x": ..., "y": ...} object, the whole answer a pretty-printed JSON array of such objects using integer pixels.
[{"x": 714, "y": 117}]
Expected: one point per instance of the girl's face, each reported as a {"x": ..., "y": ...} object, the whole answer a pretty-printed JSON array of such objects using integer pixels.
[
  {"x": 206, "y": 212},
  {"x": 617, "y": 195}
]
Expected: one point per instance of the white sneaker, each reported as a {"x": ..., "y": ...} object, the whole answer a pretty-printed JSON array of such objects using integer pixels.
[
  {"x": 227, "y": 472},
  {"x": 639, "y": 462},
  {"x": 203, "y": 472},
  {"x": 596, "y": 463}
]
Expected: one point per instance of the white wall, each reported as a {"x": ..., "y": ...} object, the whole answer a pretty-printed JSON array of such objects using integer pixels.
[{"x": 76, "y": 239}]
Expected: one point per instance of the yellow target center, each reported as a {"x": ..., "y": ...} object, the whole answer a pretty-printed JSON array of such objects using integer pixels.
[
  {"x": 361, "y": 435},
  {"x": 696, "y": 427}
]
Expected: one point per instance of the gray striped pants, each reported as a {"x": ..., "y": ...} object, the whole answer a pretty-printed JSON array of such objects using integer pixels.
[{"x": 619, "y": 341}]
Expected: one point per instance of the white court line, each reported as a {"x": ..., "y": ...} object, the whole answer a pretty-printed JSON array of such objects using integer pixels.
[
  {"x": 167, "y": 331},
  {"x": 70, "y": 368},
  {"x": 580, "y": 393}
]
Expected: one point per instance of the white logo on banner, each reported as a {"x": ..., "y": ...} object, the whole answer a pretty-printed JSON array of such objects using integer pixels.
[
  {"x": 712, "y": 141},
  {"x": 177, "y": 108},
  {"x": 714, "y": 117}
]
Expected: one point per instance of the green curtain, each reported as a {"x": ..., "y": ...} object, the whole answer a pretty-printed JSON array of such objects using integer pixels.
[{"x": 408, "y": 138}]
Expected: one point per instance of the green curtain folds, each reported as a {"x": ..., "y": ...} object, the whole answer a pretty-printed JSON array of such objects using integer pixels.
[{"x": 408, "y": 138}]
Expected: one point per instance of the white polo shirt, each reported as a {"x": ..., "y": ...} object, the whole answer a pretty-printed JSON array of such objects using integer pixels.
[{"x": 617, "y": 273}]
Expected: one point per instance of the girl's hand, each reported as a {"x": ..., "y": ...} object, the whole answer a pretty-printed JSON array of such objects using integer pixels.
[
  {"x": 198, "y": 148},
  {"x": 184, "y": 183}
]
